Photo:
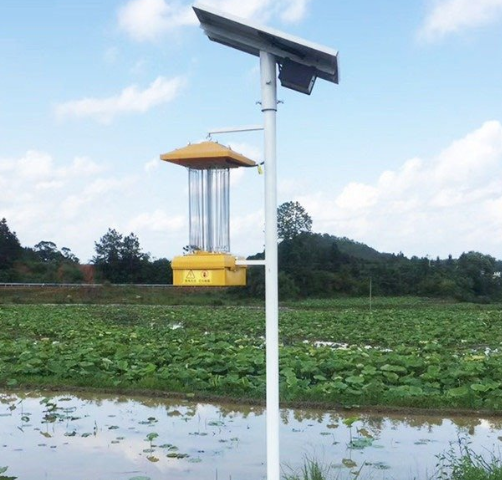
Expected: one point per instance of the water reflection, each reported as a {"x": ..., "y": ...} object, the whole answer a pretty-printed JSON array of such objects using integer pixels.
[{"x": 76, "y": 437}]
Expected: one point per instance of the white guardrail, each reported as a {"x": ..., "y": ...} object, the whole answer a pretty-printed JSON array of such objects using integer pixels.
[{"x": 87, "y": 285}]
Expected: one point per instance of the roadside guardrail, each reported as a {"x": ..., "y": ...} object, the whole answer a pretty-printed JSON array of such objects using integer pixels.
[{"x": 86, "y": 285}]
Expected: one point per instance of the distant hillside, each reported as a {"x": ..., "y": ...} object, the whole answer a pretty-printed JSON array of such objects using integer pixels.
[
  {"x": 358, "y": 249},
  {"x": 345, "y": 246},
  {"x": 314, "y": 264}
]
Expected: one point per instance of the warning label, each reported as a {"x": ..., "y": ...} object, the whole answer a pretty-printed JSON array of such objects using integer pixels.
[{"x": 197, "y": 277}]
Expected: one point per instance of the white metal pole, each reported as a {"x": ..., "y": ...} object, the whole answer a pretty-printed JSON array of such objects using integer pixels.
[
  {"x": 249, "y": 128},
  {"x": 269, "y": 109}
]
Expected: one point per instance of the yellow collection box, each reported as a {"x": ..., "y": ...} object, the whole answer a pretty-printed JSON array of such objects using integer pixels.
[{"x": 203, "y": 269}]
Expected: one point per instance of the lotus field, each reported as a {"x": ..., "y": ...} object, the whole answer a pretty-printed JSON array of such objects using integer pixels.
[{"x": 402, "y": 352}]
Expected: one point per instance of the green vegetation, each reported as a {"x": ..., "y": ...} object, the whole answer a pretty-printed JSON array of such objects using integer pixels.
[
  {"x": 4, "y": 477},
  {"x": 42, "y": 263},
  {"x": 456, "y": 464},
  {"x": 324, "y": 265},
  {"x": 460, "y": 462},
  {"x": 310, "y": 265},
  {"x": 312, "y": 469},
  {"x": 118, "y": 259},
  {"x": 109, "y": 294},
  {"x": 405, "y": 352},
  {"x": 292, "y": 219}
]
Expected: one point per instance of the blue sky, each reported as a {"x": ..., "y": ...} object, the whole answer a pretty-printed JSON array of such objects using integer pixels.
[{"x": 404, "y": 155}]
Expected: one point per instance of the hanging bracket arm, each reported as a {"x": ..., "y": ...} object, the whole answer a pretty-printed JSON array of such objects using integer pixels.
[
  {"x": 248, "y": 128},
  {"x": 250, "y": 263}
]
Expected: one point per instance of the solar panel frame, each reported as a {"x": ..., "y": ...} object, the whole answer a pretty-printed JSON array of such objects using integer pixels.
[{"x": 250, "y": 37}]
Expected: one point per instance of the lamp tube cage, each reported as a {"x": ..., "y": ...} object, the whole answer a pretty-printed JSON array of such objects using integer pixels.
[{"x": 209, "y": 209}]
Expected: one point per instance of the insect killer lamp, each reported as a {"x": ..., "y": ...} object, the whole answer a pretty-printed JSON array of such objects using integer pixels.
[{"x": 208, "y": 262}]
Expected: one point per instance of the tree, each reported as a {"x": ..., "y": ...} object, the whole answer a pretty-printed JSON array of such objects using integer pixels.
[
  {"x": 10, "y": 248},
  {"x": 108, "y": 255},
  {"x": 47, "y": 252},
  {"x": 478, "y": 271},
  {"x": 292, "y": 219},
  {"x": 108, "y": 247},
  {"x": 315, "y": 264},
  {"x": 120, "y": 259},
  {"x": 69, "y": 256},
  {"x": 46, "y": 263},
  {"x": 132, "y": 259},
  {"x": 158, "y": 272}
]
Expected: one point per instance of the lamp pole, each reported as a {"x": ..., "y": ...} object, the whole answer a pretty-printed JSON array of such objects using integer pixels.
[
  {"x": 269, "y": 108},
  {"x": 301, "y": 63}
]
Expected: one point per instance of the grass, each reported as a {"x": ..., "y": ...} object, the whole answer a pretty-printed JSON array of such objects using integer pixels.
[
  {"x": 312, "y": 469},
  {"x": 462, "y": 463},
  {"x": 123, "y": 295},
  {"x": 458, "y": 463},
  {"x": 136, "y": 295}
]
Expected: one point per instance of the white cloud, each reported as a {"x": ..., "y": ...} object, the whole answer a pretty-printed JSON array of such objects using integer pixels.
[
  {"x": 295, "y": 10},
  {"x": 74, "y": 204},
  {"x": 34, "y": 165},
  {"x": 356, "y": 196},
  {"x": 91, "y": 194},
  {"x": 251, "y": 151},
  {"x": 289, "y": 187},
  {"x": 102, "y": 186},
  {"x": 447, "y": 204},
  {"x": 146, "y": 20},
  {"x": 83, "y": 166},
  {"x": 149, "y": 20},
  {"x": 152, "y": 165},
  {"x": 236, "y": 176},
  {"x": 130, "y": 99},
  {"x": 157, "y": 221},
  {"x": 39, "y": 166},
  {"x": 51, "y": 185},
  {"x": 479, "y": 152},
  {"x": 247, "y": 233},
  {"x": 452, "y": 16},
  {"x": 263, "y": 10}
]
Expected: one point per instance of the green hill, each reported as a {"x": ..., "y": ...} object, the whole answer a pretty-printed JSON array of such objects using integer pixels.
[{"x": 358, "y": 249}]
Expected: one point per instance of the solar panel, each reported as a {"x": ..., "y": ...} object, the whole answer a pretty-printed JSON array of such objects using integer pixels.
[{"x": 249, "y": 37}]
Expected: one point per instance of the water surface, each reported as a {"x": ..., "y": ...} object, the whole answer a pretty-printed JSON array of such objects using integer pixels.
[{"x": 69, "y": 437}]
